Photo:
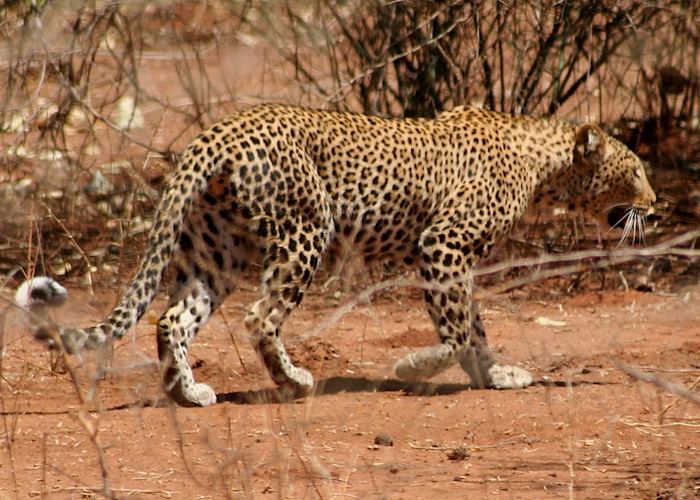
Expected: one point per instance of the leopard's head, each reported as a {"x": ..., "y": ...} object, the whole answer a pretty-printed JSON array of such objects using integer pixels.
[
  {"x": 614, "y": 175},
  {"x": 604, "y": 175}
]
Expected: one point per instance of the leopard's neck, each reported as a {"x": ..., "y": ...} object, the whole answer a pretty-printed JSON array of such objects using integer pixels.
[{"x": 545, "y": 146}]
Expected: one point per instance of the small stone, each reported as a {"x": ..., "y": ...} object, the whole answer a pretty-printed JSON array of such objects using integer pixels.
[
  {"x": 460, "y": 453},
  {"x": 384, "y": 440}
]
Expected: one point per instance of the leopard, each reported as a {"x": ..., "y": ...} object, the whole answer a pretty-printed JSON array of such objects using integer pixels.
[{"x": 275, "y": 189}]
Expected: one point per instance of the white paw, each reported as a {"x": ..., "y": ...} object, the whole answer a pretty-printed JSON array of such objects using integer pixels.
[
  {"x": 193, "y": 395},
  {"x": 425, "y": 363},
  {"x": 203, "y": 395},
  {"x": 302, "y": 379},
  {"x": 509, "y": 377},
  {"x": 297, "y": 383},
  {"x": 406, "y": 369}
]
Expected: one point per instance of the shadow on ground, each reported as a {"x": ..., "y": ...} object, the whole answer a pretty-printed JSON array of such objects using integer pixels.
[
  {"x": 324, "y": 387},
  {"x": 336, "y": 385}
]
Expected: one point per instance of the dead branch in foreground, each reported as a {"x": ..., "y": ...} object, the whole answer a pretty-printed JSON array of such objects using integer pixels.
[
  {"x": 604, "y": 259},
  {"x": 662, "y": 383}
]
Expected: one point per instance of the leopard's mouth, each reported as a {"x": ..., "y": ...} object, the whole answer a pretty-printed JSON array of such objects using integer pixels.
[
  {"x": 616, "y": 213},
  {"x": 619, "y": 213},
  {"x": 614, "y": 216}
]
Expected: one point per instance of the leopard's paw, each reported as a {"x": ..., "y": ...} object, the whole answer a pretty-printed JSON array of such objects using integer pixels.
[
  {"x": 508, "y": 377},
  {"x": 193, "y": 394},
  {"x": 425, "y": 363}
]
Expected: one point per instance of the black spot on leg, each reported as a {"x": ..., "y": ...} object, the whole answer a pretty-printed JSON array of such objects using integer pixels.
[
  {"x": 140, "y": 309},
  {"x": 218, "y": 258},
  {"x": 213, "y": 229},
  {"x": 447, "y": 260},
  {"x": 185, "y": 242},
  {"x": 208, "y": 240},
  {"x": 429, "y": 241}
]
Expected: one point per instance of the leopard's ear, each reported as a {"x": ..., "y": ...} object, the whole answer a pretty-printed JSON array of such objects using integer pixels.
[{"x": 590, "y": 144}]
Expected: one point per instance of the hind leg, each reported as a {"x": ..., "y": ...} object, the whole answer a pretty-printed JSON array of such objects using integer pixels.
[
  {"x": 290, "y": 262},
  {"x": 191, "y": 305}
]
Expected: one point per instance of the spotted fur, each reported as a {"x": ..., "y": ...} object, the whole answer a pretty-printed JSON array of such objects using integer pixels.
[{"x": 279, "y": 187}]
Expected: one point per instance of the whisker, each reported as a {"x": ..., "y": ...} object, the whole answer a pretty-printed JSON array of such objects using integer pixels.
[
  {"x": 642, "y": 227},
  {"x": 634, "y": 227},
  {"x": 632, "y": 235},
  {"x": 625, "y": 230}
]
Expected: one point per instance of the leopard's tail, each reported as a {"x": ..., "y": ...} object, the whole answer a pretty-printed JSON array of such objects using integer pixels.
[{"x": 184, "y": 188}]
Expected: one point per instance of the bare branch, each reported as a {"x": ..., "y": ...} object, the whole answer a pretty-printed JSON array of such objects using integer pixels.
[{"x": 662, "y": 383}]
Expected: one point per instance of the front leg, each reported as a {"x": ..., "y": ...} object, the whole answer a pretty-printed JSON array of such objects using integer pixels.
[
  {"x": 479, "y": 364},
  {"x": 446, "y": 260},
  {"x": 463, "y": 339}
]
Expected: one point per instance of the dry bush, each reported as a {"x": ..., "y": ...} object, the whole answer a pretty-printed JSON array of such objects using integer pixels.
[
  {"x": 86, "y": 133},
  {"x": 419, "y": 58}
]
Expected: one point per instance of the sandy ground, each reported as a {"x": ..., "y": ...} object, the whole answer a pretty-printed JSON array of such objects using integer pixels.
[{"x": 585, "y": 430}]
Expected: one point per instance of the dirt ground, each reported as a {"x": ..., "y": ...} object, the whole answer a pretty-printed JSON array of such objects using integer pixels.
[{"x": 585, "y": 430}]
